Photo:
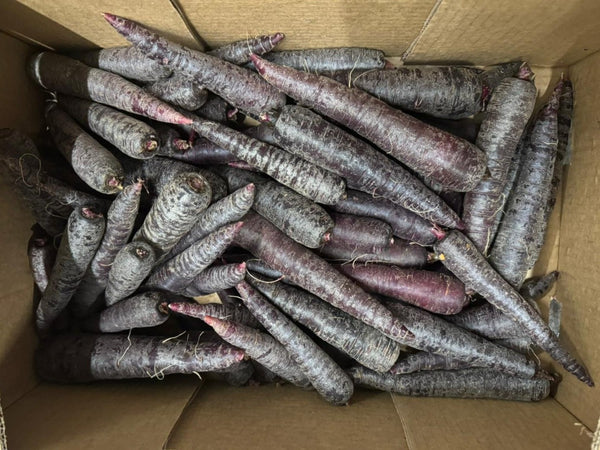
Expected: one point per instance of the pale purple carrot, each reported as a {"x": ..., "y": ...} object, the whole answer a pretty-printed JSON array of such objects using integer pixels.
[
  {"x": 130, "y": 267},
  {"x": 361, "y": 234},
  {"x": 235, "y": 313},
  {"x": 425, "y": 361},
  {"x": 317, "y": 60},
  {"x": 171, "y": 142},
  {"x": 217, "y": 278},
  {"x": 179, "y": 90},
  {"x": 239, "y": 52}
]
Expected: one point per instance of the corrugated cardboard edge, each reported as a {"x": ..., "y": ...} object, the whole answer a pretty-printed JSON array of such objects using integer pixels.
[
  {"x": 181, "y": 414},
  {"x": 3, "y": 444}
]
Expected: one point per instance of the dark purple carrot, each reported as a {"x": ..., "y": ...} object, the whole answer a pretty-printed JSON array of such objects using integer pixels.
[
  {"x": 259, "y": 267},
  {"x": 466, "y": 129},
  {"x": 239, "y": 52},
  {"x": 240, "y": 87},
  {"x": 130, "y": 267},
  {"x": 424, "y": 361},
  {"x": 234, "y": 313},
  {"x": 171, "y": 142},
  {"x": 178, "y": 272},
  {"x": 77, "y": 247},
  {"x": 302, "y": 176},
  {"x": 462, "y": 258},
  {"x": 465, "y": 383},
  {"x": 81, "y": 358},
  {"x": 302, "y": 132},
  {"x": 238, "y": 374},
  {"x": 94, "y": 164},
  {"x": 324, "y": 374},
  {"x": 537, "y": 287},
  {"x": 493, "y": 75},
  {"x": 488, "y": 321},
  {"x": 227, "y": 210},
  {"x": 179, "y": 90},
  {"x": 128, "y": 62},
  {"x": 42, "y": 254},
  {"x": 216, "y": 109},
  {"x": 260, "y": 347},
  {"x": 518, "y": 242},
  {"x": 451, "y": 161},
  {"x": 363, "y": 343},
  {"x": 68, "y": 76},
  {"x": 203, "y": 152},
  {"x": 436, "y": 335},
  {"x": 432, "y": 291},
  {"x": 214, "y": 279},
  {"x": 359, "y": 233},
  {"x": 140, "y": 311},
  {"x": 174, "y": 211},
  {"x": 264, "y": 132},
  {"x": 522, "y": 345},
  {"x": 326, "y": 59},
  {"x": 400, "y": 253},
  {"x": 131, "y": 136}
]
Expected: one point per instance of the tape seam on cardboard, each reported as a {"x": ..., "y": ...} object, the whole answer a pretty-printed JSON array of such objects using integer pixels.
[{"x": 416, "y": 40}]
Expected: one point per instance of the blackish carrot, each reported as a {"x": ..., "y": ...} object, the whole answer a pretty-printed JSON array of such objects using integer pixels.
[
  {"x": 364, "y": 344},
  {"x": 327, "y": 59},
  {"x": 302, "y": 132},
  {"x": 128, "y": 62},
  {"x": 130, "y": 267},
  {"x": 81, "y": 358},
  {"x": 179, "y": 90},
  {"x": 234, "y": 313},
  {"x": 537, "y": 287},
  {"x": 131, "y": 136},
  {"x": 466, "y": 129},
  {"x": 238, "y": 374},
  {"x": 140, "y": 311},
  {"x": 359, "y": 233},
  {"x": 41, "y": 253},
  {"x": 432, "y": 291},
  {"x": 260, "y": 267},
  {"x": 260, "y": 347},
  {"x": 214, "y": 279},
  {"x": 465, "y": 383},
  {"x": 462, "y": 258},
  {"x": 203, "y": 152},
  {"x": 323, "y": 373},
  {"x": 78, "y": 245},
  {"x": 240, "y": 87},
  {"x": 171, "y": 142},
  {"x": 68, "y": 76},
  {"x": 239, "y": 52},
  {"x": 424, "y": 361},
  {"x": 216, "y": 109},
  {"x": 94, "y": 164},
  {"x": 264, "y": 132}
]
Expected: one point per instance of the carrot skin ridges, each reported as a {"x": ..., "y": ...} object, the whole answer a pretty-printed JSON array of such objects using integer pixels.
[
  {"x": 362, "y": 234},
  {"x": 217, "y": 278},
  {"x": 327, "y": 59},
  {"x": 424, "y": 361},
  {"x": 236, "y": 313},
  {"x": 536, "y": 288},
  {"x": 239, "y": 52},
  {"x": 453, "y": 162},
  {"x": 68, "y": 76},
  {"x": 463, "y": 259},
  {"x": 465, "y": 383},
  {"x": 180, "y": 91}
]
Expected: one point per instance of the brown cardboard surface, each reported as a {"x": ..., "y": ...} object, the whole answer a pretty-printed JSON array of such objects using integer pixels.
[
  {"x": 265, "y": 417},
  {"x": 85, "y": 18},
  {"x": 488, "y": 424},
  {"x": 579, "y": 284},
  {"x": 118, "y": 415},
  {"x": 545, "y": 33},
  {"x": 390, "y": 25}
]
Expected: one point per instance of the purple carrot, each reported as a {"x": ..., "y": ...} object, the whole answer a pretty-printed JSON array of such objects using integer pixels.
[
  {"x": 424, "y": 361},
  {"x": 128, "y": 62},
  {"x": 466, "y": 129},
  {"x": 465, "y": 383},
  {"x": 81, "y": 358},
  {"x": 68, "y": 76},
  {"x": 42, "y": 254},
  {"x": 240, "y": 87},
  {"x": 324, "y": 374},
  {"x": 405, "y": 224},
  {"x": 327, "y": 59},
  {"x": 215, "y": 279},
  {"x": 460, "y": 256},
  {"x": 451, "y": 161},
  {"x": 171, "y": 142},
  {"x": 140, "y": 311},
  {"x": 537, "y": 287},
  {"x": 239, "y": 52},
  {"x": 234, "y": 313},
  {"x": 130, "y": 267},
  {"x": 203, "y": 152},
  {"x": 77, "y": 247},
  {"x": 488, "y": 321},
  {"x": 216, "y": 109},
  {"x": 260, "y": 347},
  {"x": 306, "y": 134},
  {"x": 432, "y": 291},
  {"x": 179, "y": 90},
  {"x": 361, "y": 234}
]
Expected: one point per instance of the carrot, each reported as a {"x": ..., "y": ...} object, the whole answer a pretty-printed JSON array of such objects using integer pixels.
[
  {"x": 466, "y": 129},
  {"x": 171, "y": 142},
  {"x": 78, "y": 245},
  {"x": 178, "y": 272},
  {"x": 215, "y": 279},
  {"x": 68, "y": 76},
  {"x": 174, "y": 211},
  {"x": 364, "y": 344},
  {"x": 130, "y": 267},
  {"x": 131, "y": 136},
  {"x": 203, "y": 152},
  {"x": 482, "y": 208},
  {"x": 361, "y": 234},
  {"x": 523, "y": 344},
  {"x": 81, "y": 358},
  {"x": 216, "y": 109},
  {"x": 465, "y": 383},
  {"x": 41, "y": 253},
  {"x": 488, "y": 321},
  {"x": 326, "y": 59},
  {"x": 537, "y": 287},
  {"x": 493, "y": 75},
  {"x": 460, "y": 256},
  {"x": 260, "y": 347},
  {"x": 94, "y": 164},
  {"x": 432, "y": 291},
  {"x": 234, "y": 313},
  {"x": 324, "y": 374},
  {"x": 239, "y": 52},
  {"x": 148, "y": 309},
  {"x": 260, "y": 267},
  {"x": 424, "y": 361},
  {"x": 179, "y": 90},
  {"x": 128, "y": 62},
  {"x": 517, "y": 244},
  {"x": 302, "y": 132},
  {"x": 240, "y": 87},
  {"x": 238, "y": 374},
  {"x": 227, "y": 210}
]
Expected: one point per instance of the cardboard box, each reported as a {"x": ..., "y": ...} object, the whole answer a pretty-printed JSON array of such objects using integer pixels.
[{"x": 555, "y": 37}]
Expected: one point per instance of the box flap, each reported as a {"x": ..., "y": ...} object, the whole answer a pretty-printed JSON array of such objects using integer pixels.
[
  {"x": 125, "y": 414},
  {"x": 544, "y": 33}
]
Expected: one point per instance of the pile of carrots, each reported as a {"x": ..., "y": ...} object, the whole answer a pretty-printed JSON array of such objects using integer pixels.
[{"x": 361, "y": 224}]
